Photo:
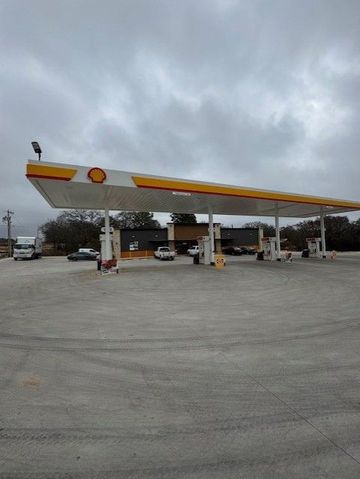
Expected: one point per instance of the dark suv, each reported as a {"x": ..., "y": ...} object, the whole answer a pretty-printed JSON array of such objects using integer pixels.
[
  {"x": 245, "y": 250},
  {"x": 233, "y": 250}
]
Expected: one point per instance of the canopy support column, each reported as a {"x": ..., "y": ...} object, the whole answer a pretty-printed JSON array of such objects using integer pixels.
[
  {"x": 323, "y": 236},
  {"x": 108, "y": 252},
  {"x": 277, "y": 234},
  {"x": 211, "y": 235}
]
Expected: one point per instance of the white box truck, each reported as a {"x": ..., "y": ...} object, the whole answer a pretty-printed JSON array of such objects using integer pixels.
[{"x": 27, "y": 247}]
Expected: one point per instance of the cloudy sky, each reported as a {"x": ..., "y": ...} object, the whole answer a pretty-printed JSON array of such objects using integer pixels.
[{"x": 250, "y": 92}]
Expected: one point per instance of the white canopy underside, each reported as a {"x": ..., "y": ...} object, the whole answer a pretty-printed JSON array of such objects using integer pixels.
[{"x": 126, "y": 191}]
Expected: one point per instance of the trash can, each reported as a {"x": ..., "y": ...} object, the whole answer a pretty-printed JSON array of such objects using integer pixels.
[
  {"x": 196, "y": 259},
  {"x": 305, "y": 253},
  {"x": 260, "y": 256},
  {"x": 219, "y": 261}
]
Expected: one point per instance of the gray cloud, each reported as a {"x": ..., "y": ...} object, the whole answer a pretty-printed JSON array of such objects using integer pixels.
[{"x": 250, "y": 92}]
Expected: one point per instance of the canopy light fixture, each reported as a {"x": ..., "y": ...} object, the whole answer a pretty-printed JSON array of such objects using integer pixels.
[{"x": 36, "y": 148}]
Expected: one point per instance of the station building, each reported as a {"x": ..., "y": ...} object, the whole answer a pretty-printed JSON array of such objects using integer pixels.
[{"x": 136, "y": 243}]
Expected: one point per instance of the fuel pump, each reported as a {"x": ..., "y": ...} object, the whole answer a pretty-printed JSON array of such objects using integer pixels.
[
  {"x": 204, "y": 249},
  {"x": 269, "y": 248},
  {"x": 314, "y": 248}
]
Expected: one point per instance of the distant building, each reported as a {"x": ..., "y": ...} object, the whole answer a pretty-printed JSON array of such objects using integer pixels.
[{"x": 136, "y": 243}]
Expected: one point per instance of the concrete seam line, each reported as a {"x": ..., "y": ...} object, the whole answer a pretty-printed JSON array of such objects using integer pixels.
[{"x": 291, "y": 408}]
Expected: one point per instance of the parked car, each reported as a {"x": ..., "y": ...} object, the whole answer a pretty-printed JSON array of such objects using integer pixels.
[
  {"x": 245, "y": 250},
  {"x": 82, "y": 256},
  {"x": 164, "y": 253},
  {"x": 89, "y": 250},
  {"x": 233, "y": 250},
  {"x": 193, "y": 251}
]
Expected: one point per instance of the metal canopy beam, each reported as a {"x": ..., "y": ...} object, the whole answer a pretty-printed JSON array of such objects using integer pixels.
[{"x": 323, "y": 234}]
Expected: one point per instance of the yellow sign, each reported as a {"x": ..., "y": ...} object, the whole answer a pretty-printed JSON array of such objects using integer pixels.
[{"x": 219, "y": 261}]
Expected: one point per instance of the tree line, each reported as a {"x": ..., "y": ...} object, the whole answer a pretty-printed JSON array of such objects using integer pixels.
[
  {"x": 73, "y": 229},
  {"x": 80, "y": 228},
  {"x": 341, "y": 233}
]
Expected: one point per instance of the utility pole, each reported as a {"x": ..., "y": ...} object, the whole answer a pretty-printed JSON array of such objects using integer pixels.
[{"x": 7, "y": 220}]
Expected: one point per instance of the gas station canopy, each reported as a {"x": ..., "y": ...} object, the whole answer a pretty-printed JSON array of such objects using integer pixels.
[{"x": 82, "y": 187}]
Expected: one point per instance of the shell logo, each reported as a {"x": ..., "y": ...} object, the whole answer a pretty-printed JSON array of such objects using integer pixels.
[{"x": 96, "y": 175}]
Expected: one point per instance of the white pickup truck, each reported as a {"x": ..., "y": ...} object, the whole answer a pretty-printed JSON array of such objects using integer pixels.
[
  {"x": 164, "y": 253},
  {"x": 193, "y": 251}
]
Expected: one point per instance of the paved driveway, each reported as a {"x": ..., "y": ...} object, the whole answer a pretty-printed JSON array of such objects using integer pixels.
[{"x": 175, "y": 370}]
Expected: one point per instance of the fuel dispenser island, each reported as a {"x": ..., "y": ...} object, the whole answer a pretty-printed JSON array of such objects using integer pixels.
[
  {"x": 204, "y": 249},
  {"x": 314, "y": 247},
  {"x": 269, "y": 248}
]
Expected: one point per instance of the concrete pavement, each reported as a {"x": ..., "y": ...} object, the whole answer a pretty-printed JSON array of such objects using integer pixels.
[{"x": 175, "y": 370}]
